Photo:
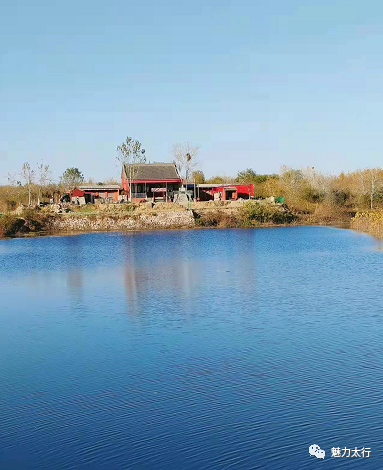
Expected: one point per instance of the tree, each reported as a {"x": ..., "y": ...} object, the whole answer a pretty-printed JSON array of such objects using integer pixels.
[
  {"x": 71, "y": 178},
  {"x": 249, "y": 176},
  {"x": 28, "y": 177},
  {"x": 198, "y": 177},
  {"x": 16, "y": 185},
  {"x": 44, "y": 178},
  {"x": 371, "y": 180},
  {"x": 291, "y": 181},
  {"x": 184, "y": 156},
  {"x": 218, "y": 180},
  {"x": 131, "y": 153}
]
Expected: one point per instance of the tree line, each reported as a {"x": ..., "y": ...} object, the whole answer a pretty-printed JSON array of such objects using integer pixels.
[{"x": 304, "y": 189}]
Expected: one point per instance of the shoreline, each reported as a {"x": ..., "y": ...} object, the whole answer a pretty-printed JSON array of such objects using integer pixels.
[
  {"x": 68, "y": 233},
  {"x": 38, "y": 223}
]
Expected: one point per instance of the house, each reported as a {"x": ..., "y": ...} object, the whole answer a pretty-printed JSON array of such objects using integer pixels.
[
  {"x": 106, "y": 192},
  {"x": 225, "y": 192},
  {"x": 150, "y": 181}
]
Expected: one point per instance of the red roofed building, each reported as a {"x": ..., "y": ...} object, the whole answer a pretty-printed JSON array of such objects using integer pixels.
[
  {"x": 226, "y": 192},
  {"x": 94, "y": 192}
]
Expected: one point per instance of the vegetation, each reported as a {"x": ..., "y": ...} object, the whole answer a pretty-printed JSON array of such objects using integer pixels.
[
  {"x": 71, "y": 178},
  {"x": 250, "y": 214},
  {"x": 198, "y": 177},
  {"x": 30, "y": 221},
  {"x": 184, "y": 156},
  {"x": 219, "y": 180},
  {"x": 369, "y": 221},
  {"x": 131, "y": 153},
  {"x": 310, "y": 196},
  {"x": 249, "y": 176}
]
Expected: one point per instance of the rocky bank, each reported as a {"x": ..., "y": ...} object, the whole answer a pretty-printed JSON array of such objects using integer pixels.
[{"x": 94, "y": 223}]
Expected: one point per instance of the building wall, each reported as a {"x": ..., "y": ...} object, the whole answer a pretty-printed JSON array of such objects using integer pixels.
[{"x": 243, "y": 190}]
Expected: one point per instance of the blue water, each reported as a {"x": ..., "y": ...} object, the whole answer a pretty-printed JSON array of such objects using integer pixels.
[{"x": 211, "y": 349}]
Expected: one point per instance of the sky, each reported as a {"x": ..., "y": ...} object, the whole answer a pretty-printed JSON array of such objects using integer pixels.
[{"x": 255, "y": 84}]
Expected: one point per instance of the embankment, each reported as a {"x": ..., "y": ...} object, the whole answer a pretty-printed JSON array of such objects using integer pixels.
[
  {"x": 369, "y": 221},
  {"x": 13, "y": 226},
  {"x": 160, "y": 217},
  {"x": 95, "y": 223}
]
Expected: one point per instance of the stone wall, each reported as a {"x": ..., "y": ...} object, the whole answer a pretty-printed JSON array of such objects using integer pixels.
[{"x": 92, "y": 223}]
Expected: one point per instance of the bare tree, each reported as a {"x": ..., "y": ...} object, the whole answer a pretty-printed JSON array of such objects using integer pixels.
[
  {"x": 291, "y": 180},
  {"x": 131, "y": 153},
  {"x": 16, "y": 183},
  {"x": 318, "y": 181},
  {"x": 184, "y": 156},
  {"x": 370, "y": 180},
  {"x": 28, "y": 177},
  {"x": 44, "y": 178}
]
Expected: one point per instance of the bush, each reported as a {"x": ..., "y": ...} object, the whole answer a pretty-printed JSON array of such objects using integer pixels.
[
  {"x": 10, "y": 225},
  {"x": 249, "y": 215},
  {"x": 216, "y": 218},
  {"x": 369, "y": 221},
  {"x": 311, "y": 195},
  {"x": 29, "y": 221},
  {"x": 339, "y": 197},
  {"x": 253, "y": 213}
]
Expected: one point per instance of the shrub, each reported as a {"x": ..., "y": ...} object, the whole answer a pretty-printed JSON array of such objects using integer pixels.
[
  {"x": 215, "y": 218},
  {"x": 29, "y": 221},
  {"x": 311, "y": 195},
  {"x": 10, "y": 225},
  {"x": 253, "y": 213}
]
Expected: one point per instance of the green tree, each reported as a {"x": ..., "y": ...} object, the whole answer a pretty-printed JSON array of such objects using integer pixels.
[
  {"x": 249, "y": 176},
  {"x": 198, "y": 177},
  {"x": 217, "y": 180},
  {"x": 71, "y": 178},
  {"x": 131, "y": 153}
]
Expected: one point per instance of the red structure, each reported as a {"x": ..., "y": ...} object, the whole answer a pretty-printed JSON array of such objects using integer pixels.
[
  {"x": 225, "y": 192},
  {"x": 92, "y": 193},
  {"x": 150, "y": 181}
]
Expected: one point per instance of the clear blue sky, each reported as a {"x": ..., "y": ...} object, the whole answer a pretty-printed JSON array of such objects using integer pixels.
[{"x": 254, "y": 83}]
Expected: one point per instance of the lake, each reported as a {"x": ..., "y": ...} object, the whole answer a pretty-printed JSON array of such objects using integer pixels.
[{"x": 204, "y": 349}]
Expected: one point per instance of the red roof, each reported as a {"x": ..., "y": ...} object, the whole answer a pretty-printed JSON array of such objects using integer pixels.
[{"x": 77, "y": 193}]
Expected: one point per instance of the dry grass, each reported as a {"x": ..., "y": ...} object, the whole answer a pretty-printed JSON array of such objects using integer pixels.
[
  {"x": 324, "y": 214},
  {"x": 370, "y": 222}
]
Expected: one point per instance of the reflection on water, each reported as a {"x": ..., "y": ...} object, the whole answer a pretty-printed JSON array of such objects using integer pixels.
[
  {"x": 207, "y": 349},
  {"x": 180, "y": 273}
]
